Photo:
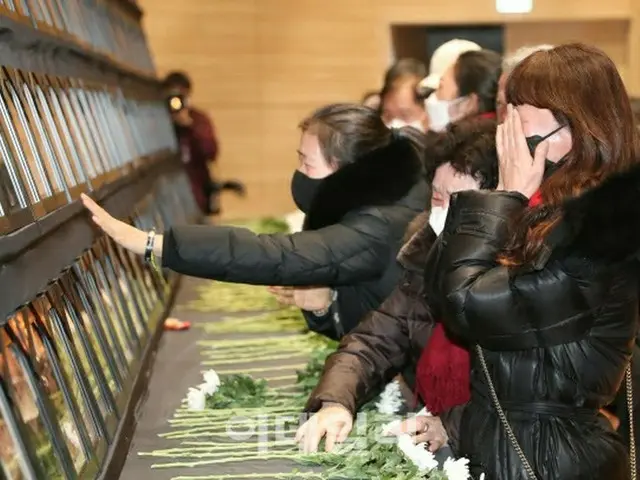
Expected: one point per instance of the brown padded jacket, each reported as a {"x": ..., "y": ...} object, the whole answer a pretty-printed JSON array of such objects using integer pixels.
[{"x": 389, "y": 339}]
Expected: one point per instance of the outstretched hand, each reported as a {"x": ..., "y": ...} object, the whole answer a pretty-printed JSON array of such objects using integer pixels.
[
  {"x": 311, "y": 299},
  {"x": 519, "y": 172},
  {"x": 124, "y": 234}
]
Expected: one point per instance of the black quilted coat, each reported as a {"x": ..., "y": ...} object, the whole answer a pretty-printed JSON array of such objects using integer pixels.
[
  {"x": 351, "y": 237},
  {"x": 557, "y": 337}
]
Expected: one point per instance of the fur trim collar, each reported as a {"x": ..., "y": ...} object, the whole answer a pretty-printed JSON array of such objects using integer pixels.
[
  {"x": 383, "y": 177},
  {"x": 604, "y": 222},
  {"x": 419, "y": 238}
]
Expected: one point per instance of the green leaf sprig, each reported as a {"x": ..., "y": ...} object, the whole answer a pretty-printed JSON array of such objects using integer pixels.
[
  {"x": 364, "y": 457},
  {"x": 239, "y": 391}
]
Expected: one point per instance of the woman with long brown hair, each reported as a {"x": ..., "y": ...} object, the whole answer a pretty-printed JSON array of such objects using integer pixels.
[{"x": 542, "y": 277}]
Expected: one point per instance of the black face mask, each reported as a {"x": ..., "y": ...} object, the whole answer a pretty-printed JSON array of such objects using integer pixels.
[
  {"x": 303, "y": 190},
  {"x": 535, "y": 140}
]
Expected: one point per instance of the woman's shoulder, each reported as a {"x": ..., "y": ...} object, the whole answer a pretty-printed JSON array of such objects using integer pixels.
[
  {"x": 388, "y": 218},
  {"x": 602, "y": 224},
  {"x": 387, "y": 178}
]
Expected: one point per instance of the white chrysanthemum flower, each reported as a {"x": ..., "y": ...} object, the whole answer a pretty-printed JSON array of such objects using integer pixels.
[
  {"x": 424, "y": 459},
  {"x": 424, "y": 412},
  {"x": 391, "y": 400},
  {"x": 207, "y": 388},
  {"x": 212, "y": 379},
  {"x": 196, "y": 399},
  {"x": 295, "y": 221},
  {"x": 407, "y": 447},
  {"x": 390, "y": 427},
  {"x": 417, "y": 454},
  {"x": 457, "y": 469}
]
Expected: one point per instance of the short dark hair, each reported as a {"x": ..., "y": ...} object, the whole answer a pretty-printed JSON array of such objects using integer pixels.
[
  {"x": 177, "y": 79},
  {"x": 347, "y": 132},
  {"x": 404, "y": 70},
  {"x": 478, "y": 72},
  {"x": 469, "y": 146}
]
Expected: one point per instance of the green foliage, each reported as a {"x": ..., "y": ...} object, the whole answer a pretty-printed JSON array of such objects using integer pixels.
[
  {"x": 309, "y": 377},
  {"x": 232, "y": 297},
  {"x": 363, "y": 456},
  {"x": 285, "y": 320},
  {"x": 267, "y": 226},
  {"x": 239, "y": 391},
  {"x": 272, "y": 225}
]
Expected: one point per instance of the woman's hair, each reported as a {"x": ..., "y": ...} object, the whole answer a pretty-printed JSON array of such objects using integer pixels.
[
  {"x": 512, "y": 60},
  {"x": 405, "y": 70},
  {"x": 469, "y": 146},
  {"x": 582, "y": 88},
  {"x": 348, "y": 131},
  {"x": 477, "y": 72}
]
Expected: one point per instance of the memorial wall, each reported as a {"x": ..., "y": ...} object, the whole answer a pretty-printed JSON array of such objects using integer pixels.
[{"x": 80, "y": 111}]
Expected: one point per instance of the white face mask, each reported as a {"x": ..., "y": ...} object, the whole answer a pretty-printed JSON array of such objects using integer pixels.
[
  {"x": 439, "y": 112},
  {"x": 438, "y": 218},
  {"x": 397, "y": 123}
]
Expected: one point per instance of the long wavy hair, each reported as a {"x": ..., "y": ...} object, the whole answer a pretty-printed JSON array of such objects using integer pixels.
[{"x": 581, "y": 86}]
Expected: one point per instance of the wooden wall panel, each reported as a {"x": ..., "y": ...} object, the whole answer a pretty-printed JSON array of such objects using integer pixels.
[
  {"x": 483, "y": 11},
  {"x": 610, "y": 36},
  {"x": 260, "y": 66}
]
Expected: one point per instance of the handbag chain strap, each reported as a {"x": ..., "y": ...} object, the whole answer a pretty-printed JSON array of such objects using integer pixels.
[
  {"x": 514, "y": 441},
  {"x": 632, "y": 427},
  {"x": 503, "y": 418}
]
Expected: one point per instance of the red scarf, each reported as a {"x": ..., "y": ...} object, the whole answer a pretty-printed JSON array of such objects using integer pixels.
[
  {"x": 536, "y": 199},
  {"x": 487, "y": 115},
  {"x": 442, "y": 374}
]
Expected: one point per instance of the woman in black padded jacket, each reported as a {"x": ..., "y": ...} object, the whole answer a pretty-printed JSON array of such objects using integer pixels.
[
  {"x": 542, "y": 277},
  {"x": 359, "y": 183}
]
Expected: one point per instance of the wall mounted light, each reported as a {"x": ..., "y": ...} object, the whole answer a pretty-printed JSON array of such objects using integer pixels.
[{"x": 514, "y": 6}]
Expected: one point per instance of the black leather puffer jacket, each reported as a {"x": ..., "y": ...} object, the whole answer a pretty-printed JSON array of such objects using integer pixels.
[{"x": 557, "y": 338}]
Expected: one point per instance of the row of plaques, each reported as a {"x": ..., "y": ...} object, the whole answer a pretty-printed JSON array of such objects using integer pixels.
[
  {"x": 101, "y": 25},
  {"x": 69, "y": 357},
  {"x": 61, "y": 136}
]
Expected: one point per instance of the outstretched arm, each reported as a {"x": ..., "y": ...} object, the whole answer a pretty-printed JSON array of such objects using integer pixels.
[{"x": 340, "y": 254}]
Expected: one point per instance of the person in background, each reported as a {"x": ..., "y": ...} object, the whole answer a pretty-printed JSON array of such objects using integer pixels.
[
  {"x": 371, "y": 99},
  {"x": 465, "y": 89},
  {"x": 443, "y": 57},
  {"x": 359, "y": 183},
  {"x": 196, "y": 139},
  {"x": 400, "y": 105},
  {"x": 510, "y": 62}
]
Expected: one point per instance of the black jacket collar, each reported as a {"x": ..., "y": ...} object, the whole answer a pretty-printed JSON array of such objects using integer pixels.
[
  {"x": 604, "y": 222},
  {"x": 383, "y": 177}
]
